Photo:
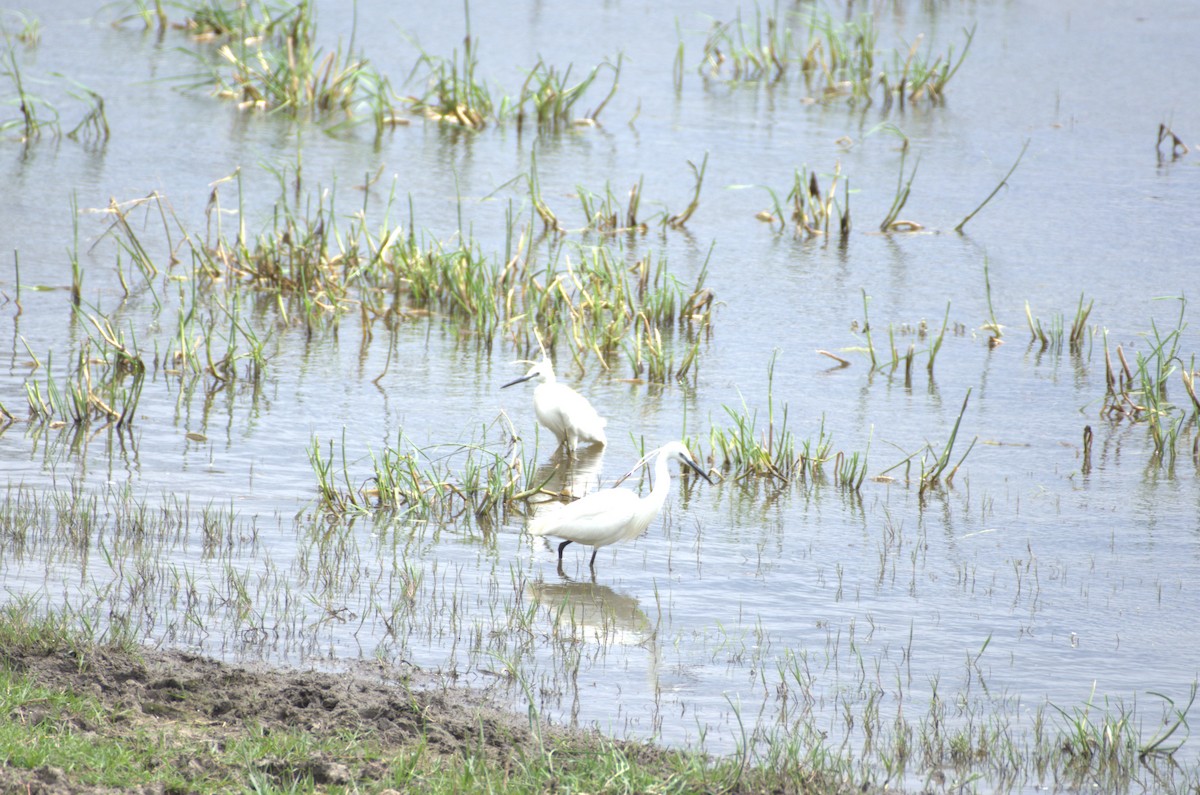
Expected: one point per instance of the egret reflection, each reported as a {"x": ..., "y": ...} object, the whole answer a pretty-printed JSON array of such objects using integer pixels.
[
  {"x": 593, "y": 612},
  {"x": 571, "y": 478}
]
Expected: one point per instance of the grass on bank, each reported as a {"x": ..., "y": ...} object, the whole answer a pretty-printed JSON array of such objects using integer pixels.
[
  {"x": 171, "y": 731},
  {"x": 77, "y": 737}
]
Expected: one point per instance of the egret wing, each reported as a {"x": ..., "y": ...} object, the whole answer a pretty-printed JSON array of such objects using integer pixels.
[
  {"x": 601, "y": 517},
  {"x": 559, "y": 407},
  {"x": 584, "y": 416}
]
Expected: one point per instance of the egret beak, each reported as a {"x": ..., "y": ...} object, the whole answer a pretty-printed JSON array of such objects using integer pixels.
[
  {"x": 698, "y": 470},
  {"x": 520, "y": 380}
]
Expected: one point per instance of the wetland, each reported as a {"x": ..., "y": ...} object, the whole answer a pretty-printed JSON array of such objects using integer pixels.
[{"x": 911, "y": 280}]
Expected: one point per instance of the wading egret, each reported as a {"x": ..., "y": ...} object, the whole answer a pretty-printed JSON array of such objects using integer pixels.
[
  {"x": 610, "y": 515},
  {"x": 566, "y": 413}
]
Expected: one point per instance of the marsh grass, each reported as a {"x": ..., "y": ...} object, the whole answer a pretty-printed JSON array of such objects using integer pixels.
[
  {"x": 603, "y": 212},
  {"x": 992, "y": 325},
  {"x": 152, "y": 14},
  {"x": 103, "y": 385},
  {"x": 935, "y": 472},
  {"x": 454, "y": 92},
  {"x": 812, "y": 213},
  {"x": 995, "y": 190},
  {"x": 1052, "y": 334},
  {"x": 1079, "y": 326},
  {"x": 598, "y": 303},
  {"x": 655, "y": 361},
  {"x": 553, "y": 99},
  {"x": 916, "y": 75},
  {"x": 94, "y": 124},
  {"x": 549, "y": 219},
  {"x": 23, "y": 625},
  {"x": 1099, "y": 743},
  {"x": 749, "y": 53},
  {"x": 444, "y": 483},
  {"x": 835, "y": 59},
  {"x": 894, "y": 358},
  {"x": 20, "y": 28},
  {"x": 266, "y": 57},
  {"x": 319, "y": 262},
  {"x": 1139, "y": 393},
  {"x": 867, "y": 330},
  {"x": 314, "y": 261},
  {"x": 1178, "y": 147},
  {"x": 934, "y": 465},
  {"x": 35, "y": 115},
  {"x": 742, "y": 450},
  {"x": 1048, "y": 335},
  {"x": 679, "y": 220},
  {"x": 892, "y": 222},
  {"x": 311, "y": 262},
  {"x": 839, "y": 59},
  {"x": 935, "y": 344},
  {"x": 130, "y": 242}
]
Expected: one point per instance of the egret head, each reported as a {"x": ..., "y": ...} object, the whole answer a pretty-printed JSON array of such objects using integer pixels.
[
  {"x": 677, "y": 451},
  {"x": 543, "y": 371}
]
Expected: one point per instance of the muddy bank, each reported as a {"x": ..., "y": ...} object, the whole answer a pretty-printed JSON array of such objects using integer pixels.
[{"x": 184, "y": 698}]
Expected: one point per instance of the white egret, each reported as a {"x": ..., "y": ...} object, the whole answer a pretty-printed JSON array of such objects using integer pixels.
[
  {"x": 566, "y": 413},
  {"x": 610, "y": 515}
]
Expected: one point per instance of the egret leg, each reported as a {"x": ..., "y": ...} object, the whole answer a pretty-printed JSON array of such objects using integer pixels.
[
  {"x": 592, "y": 564},
  {"x": 561, "y": 547}
]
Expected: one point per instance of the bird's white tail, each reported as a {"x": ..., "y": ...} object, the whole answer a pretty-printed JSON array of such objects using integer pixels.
[{"x": 539, "y": 524}]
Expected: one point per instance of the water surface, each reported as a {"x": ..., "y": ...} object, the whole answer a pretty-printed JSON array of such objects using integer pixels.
[{"x": 1025, "y": 582}]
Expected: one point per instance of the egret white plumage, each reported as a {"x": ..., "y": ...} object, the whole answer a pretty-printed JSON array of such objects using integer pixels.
[
  {"x": 610, "y": 515},
  {"x": 563, "y": 411}
]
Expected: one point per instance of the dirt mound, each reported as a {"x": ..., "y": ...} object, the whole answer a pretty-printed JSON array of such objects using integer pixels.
[{"x": 176, "y": 692}]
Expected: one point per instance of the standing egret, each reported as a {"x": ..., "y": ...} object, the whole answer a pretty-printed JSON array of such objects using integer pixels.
[
  {"x": 610, "y": 515},
  {"x": 565, "y": 412}
]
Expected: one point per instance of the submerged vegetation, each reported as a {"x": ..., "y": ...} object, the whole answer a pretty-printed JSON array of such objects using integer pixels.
[
  {"x": 267, "y": 57},
  {"x": 319, "y": 265},
  {"x": 456, "y": 94},
  {"x": 1139, "y": 393},
  {"x": 36, "y": 115},
  {"x": 835, "y": 60},
  {"x": 443, "y": 483},
  {"x": 742, "y": 451}
]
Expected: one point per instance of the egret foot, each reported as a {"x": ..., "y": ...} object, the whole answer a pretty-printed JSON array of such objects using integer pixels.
[{"x": 561, "y": 547}]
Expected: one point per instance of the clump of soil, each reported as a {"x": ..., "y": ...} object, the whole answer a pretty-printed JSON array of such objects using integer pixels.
[{"x": 175, "y": 691}]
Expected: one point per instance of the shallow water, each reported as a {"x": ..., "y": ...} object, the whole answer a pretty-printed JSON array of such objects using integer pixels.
[{"x": 1024, "y": 582}]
